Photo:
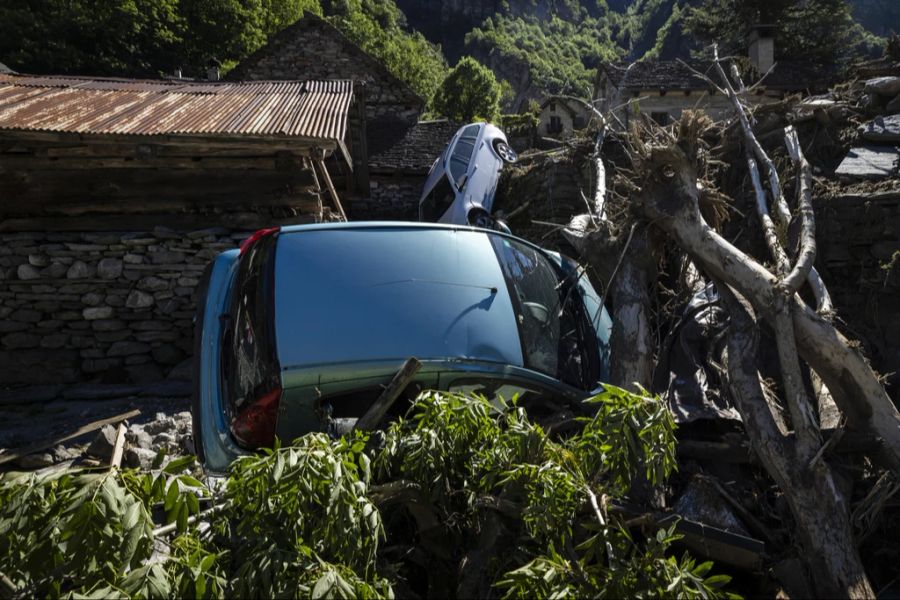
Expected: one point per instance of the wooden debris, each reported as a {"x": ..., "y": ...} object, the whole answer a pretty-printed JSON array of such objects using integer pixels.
[
  {"x": 50, "y": 442},
  {"x": 376, "y": 412},
  {"x": 119, "y": 448}
]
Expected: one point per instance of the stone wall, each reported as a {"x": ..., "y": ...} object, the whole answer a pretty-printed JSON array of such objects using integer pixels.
[
  {"x": 391, "y": 198},
  {"x": 108, "y": 307},
  {"x": 858, "y": 241}
]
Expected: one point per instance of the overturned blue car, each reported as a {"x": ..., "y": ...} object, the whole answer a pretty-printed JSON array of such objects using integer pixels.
[{"x": 303, "y": 326}]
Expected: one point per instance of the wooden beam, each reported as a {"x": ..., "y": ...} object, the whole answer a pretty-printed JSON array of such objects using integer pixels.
[
  {"x": 177, "y": 222},
  {"x": 371, "y": 419},
  {"x": 25, "y": 162},
  {"x": 118, "y": 449},
  {"x": 53, "y": 441},
  {"x": 270, "y": 143},
  {"x": 334, "y": 195}
]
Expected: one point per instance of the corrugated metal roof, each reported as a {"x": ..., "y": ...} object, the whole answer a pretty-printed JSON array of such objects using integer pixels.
[{"x": 283, "y": 109}]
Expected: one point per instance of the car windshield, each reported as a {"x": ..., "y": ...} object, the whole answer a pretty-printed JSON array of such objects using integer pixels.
[
  {"x": 556, "y": 334},
  {"x": 438, "y": 200}
]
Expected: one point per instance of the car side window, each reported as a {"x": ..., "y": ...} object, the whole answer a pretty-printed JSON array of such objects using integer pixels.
[{"x": 462, "y": 153}]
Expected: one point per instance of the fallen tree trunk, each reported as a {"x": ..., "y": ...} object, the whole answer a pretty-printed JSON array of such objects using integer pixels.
[
  {"x": 669, "y": 197},
  {"x": 821, "y": 512}
]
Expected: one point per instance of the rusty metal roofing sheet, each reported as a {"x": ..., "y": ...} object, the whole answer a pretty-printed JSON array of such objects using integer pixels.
[{"x": 283, "y": 109}]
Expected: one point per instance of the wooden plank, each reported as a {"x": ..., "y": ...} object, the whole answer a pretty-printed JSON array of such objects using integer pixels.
[
  {"x": 334, "y": 195},
  {"x": 270, "y": 143},
  {"x": 247, "y": 221},
  {"x": 53, "y": 441},
  {"x": 118, "y": 449},
  {"x": 376, "y": 412},
  {"x": 24, "y": 162}
]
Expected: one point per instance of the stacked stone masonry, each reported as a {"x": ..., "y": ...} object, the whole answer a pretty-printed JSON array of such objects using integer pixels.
[{"x": 105, "y": 307}]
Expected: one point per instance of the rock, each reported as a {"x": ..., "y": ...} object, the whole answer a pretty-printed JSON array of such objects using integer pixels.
[
  {"x": 883, "y": 86},
  {"x": 140, "y": 458},
  {"x": 133, "y": 259},
  {"x": 21, "y": 340},
  {"x": 153, "y": 284},
  {"x": 882, "y": 129},
  {"x": 136, "y": 436},
  {"x": 38, "y": 260},
  {"x": 164, "y": 233},
  {"x": 161, "y": 424},
  {"x": 145, "y": 373},
  {"x": 870, "y": 162},
  {"x": 108, "y": 325},
  {"x": 55, "y": 271},
  {"x": 11, "y": 326},
  {"x": 104, "y": 442},
  {"x": 27, "y": 273},
  {"x": 183, "y": 371},
  {"x": 127, "y": 348},
  {"x": 55, "y": 340},
  {"x": 26, "y": 315},
  {"x": 894, "y": 105},
  {"x": 165, "y": 257},
  {"x": 96, "y": 391},
  {"x": 79, "y": 270},
  {"x": 100, "y": 365},
  {"x": 97, "y": 312},
  {"x": 109, "y": 268},
  {"x": 167, "y": 354},
  {"x": 36, "y": 461},
  {"x": 139, "y": 299}
]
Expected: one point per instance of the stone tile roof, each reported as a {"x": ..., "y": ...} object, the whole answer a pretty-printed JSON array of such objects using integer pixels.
[
  {"x": 677, "y": 75},
  {"x": 281, "y": 42},
  {"x": 412, "y": 151}
]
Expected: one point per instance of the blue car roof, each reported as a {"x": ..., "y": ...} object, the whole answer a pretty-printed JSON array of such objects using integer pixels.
[{"x": 361, "y": 292}]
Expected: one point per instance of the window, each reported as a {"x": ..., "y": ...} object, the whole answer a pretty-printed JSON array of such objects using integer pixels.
[
  {"x": 555, "y": 125},
  {"x": 557, "y": 339},
  {"x": 438, "y": 200},
  {"x": 462, "y": 153}
]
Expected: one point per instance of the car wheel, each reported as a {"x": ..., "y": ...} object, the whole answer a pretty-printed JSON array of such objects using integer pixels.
[{"x": 505, "y": 152}]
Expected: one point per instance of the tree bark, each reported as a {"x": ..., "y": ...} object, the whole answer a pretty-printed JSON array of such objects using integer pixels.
[
  {"x": 821, "y": 513},
  {"x": 669, "y": 197}
]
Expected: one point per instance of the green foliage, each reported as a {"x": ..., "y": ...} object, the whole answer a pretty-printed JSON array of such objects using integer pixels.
[
  {"x": 560, "y": 55},
  {"x": 303, "y": 521},
  {"x": 470, "y": 92},
  {"x": 378, "y": 27},
  {"x": 818, "y": 33}
]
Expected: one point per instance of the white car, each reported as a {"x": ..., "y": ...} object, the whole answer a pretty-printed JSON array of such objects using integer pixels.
[{"x": 462, "y": 182}]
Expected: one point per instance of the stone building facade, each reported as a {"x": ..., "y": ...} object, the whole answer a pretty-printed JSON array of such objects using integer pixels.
[
  {"x": 312, "y": 48},
  {"x": 105, "y": 235}
]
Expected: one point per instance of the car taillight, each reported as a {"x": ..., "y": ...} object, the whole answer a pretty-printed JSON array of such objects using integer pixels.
[
  {"x": 254, "y": 427},
  {"x": 255, "y": 237}
]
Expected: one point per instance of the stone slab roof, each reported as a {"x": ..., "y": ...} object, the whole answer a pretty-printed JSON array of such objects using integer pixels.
[
  {"x": 870, "y": 162},
  {"x": 412, "y": 151},
  {"x": 678, "y": 75}
]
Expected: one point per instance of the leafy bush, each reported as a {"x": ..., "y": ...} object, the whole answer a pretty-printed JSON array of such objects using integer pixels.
[{"x": 469, "y": 487}]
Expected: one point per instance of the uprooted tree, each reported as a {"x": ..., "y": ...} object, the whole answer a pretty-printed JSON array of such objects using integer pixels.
[{"x": 665, "y": 193}]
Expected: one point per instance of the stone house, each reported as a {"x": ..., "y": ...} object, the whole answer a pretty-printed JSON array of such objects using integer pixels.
[
  {"x": 115, "y": 194},
  {"x": 560, "y": 117},
  {"x": 398, "y": 172},
  {"x": 662, "y": 89},
  {"x": 313, "y": 48}
]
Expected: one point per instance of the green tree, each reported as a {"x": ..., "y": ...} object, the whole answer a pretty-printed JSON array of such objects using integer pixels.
[
  {"x": 469, "y": 93},
  {"x": 819, "y": 33},
  {"x": 379, "y": 28}
]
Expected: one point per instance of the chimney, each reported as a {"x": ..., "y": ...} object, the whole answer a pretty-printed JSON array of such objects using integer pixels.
[
  {"x": 762, "y": 47},
  {"x": 212, "y": 70}
]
